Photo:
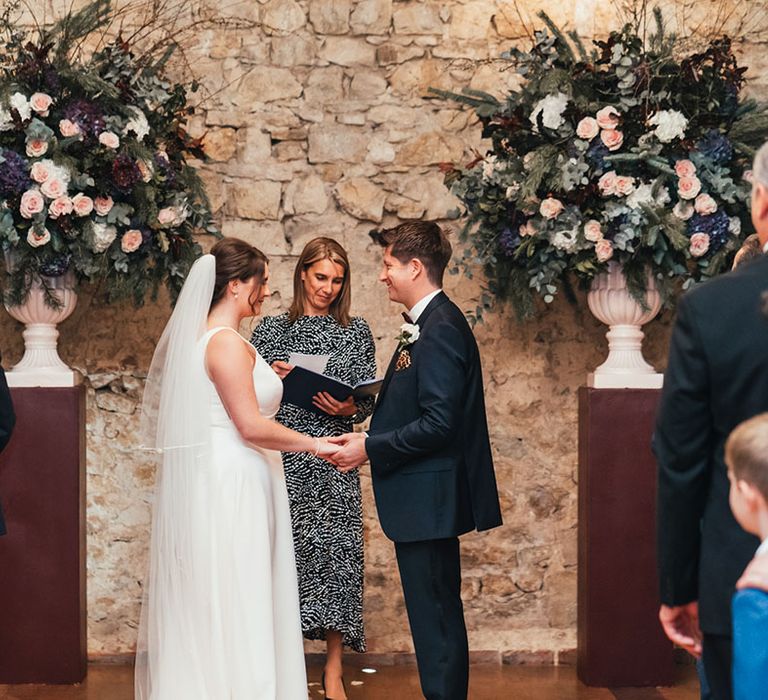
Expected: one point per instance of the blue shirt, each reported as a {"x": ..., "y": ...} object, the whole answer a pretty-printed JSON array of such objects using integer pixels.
[{"x": 750, "y": 644}]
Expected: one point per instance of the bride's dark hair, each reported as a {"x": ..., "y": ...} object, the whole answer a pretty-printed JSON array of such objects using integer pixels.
[{"x": 237, "y": 260}]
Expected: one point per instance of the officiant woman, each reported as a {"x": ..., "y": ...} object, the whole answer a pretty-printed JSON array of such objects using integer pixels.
[{"x": 325, "y": 504}]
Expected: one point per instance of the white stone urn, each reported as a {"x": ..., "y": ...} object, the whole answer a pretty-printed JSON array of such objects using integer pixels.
[
  {"x": 610, "y": 301},
  {"x": 41, "y": 364}
]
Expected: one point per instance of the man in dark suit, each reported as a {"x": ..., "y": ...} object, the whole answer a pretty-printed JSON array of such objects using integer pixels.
[
  {"x": 430, "y": 454},
  {"x": 7, "y": 421},
  {"x": 716, "y": 378}
]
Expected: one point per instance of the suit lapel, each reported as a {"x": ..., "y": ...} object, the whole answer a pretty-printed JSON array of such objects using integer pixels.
[{"x": 438, "y": 300}]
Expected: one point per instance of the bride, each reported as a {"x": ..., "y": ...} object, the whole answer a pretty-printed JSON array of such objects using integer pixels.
[{"x": 221, "y": 612}]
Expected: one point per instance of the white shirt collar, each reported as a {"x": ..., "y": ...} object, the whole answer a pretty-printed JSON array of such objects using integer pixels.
[
  {"x": 763, "y": 547},
  {"x": 765, "y": 247},
  {"x": 419, "y": 306}
]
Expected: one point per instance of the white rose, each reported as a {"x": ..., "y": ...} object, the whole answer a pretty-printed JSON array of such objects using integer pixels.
[
  {"x": 550, "y": 208},
  {"x": 670, "y": 124},
  {"x": 108, "y": 139},
  {"x": 683, "y": 210},
  {"x": 587, "y": 128},
  {"x": 137, "y": 124},
  {"x": 410, "y": 331},
  {"x": 82, "y": 204},
  {"x": 69, "y": 128},
  {"x": 32, "y": 203},
  {"x": 512, "y": 190},
  {"x": 699, "y": 244},
  {"x": 41, "y": 103},
  {"x": 565, "y": 240},
  {"x": 21, "y": 105},
  {"x": 551, "y": 109},
  {"x": 705, "y": 204},
  {"x": 103, "y": 236},
  {"x": 60, "y": 207},
  {"x": 593, "y": 231},
  {"x": 36, "y": 239},
  {"x": 642, "y": 194}
]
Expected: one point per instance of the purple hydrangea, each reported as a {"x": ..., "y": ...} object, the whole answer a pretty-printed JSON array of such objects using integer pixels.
[
  {"x": 715, "y": 225},
  {"x": 509, "y": 241},
  {"x": 14, "y": 174},
  {"x": 56, "y": 266},
  {"x": 125, "y": 173},
  {"x": 164, "y": 168},
  {"x": 596, "y": 154},
  {"x": 715, "y": 146},
  {"x": 87, "y": 115}
]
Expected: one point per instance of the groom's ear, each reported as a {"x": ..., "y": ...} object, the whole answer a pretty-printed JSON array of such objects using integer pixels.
[{"x": 416, "y": 268}]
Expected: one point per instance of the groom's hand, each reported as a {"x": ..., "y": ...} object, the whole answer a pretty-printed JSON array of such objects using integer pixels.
[{"x": 352, "y": 454}]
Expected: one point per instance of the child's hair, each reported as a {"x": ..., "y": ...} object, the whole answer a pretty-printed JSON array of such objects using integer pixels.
[{"x": 746, "y": 452}]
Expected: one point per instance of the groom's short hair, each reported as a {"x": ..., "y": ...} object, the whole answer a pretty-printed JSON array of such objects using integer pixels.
[{"x": 423, "y": 240}]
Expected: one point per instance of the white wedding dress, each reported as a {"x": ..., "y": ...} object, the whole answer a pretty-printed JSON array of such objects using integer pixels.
[{"x": 234, "y": 633}]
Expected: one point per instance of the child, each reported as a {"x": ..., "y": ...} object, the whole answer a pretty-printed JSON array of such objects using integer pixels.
[{"x": 746, "y": 454}]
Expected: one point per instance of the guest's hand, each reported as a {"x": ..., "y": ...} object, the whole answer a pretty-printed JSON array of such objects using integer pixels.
[
  {"x": 325, "y": 402},
  {"x": 352, "y": 453},
  {"x": 681, "y": 625},
  {"x": 281, "y": 368},
  {"x": 756, "y": 574}
]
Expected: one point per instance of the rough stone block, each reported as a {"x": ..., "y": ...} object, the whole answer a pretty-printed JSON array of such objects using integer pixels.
[
  {"x": 417, "y": 18},
  {"x": 266, "y": 85},
  {"x": 282, "y": 17},
  {"x": 330, "y": 16},
  {"x": 361, "y": 198},
  {"x": 367, "y": 85},
  {"x": 306, "y": 196},
  {"x": 470, "y": 22},
  {"x": 372, "y": 17},
  {"x": 388, "y": 54},
  {"x": 430, "y": 148},
  {"x": 220, "y": 144},
  {"x": 347, "y": 51},
  {"x": 294, "y": 50},
  {"x": 332, "y": 144},
  {"x": 324, "y": 85},
  {"x": 255, "y": 200}
]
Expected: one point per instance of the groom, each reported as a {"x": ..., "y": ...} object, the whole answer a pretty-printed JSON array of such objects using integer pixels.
[{"x": 430, "y": 454}]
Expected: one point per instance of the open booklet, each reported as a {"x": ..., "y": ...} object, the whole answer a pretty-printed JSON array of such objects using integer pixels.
[{"x": 301, "y": 384}]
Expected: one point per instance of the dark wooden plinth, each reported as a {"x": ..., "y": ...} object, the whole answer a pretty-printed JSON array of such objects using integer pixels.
[
  {"x": 620, "y": 640},
  {"x": 42, "y": 558}
]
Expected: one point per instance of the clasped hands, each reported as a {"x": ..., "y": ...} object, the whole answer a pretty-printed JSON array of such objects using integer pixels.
[{"x": 345, "y": 452}]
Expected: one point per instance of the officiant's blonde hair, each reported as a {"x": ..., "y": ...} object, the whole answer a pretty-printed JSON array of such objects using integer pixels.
[{"x": 316, "y": 250}]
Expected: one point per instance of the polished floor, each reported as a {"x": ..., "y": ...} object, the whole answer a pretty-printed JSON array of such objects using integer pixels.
[{"x": 490, "y": 682}]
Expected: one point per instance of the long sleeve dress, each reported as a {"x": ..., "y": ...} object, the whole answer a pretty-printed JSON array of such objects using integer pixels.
[{"x": 326, "y": 506}]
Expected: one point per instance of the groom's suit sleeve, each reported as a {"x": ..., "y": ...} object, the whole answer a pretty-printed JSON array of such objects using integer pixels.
[
  {"x": 7, "y": 416},
  {"x": 441, "y": 387}
]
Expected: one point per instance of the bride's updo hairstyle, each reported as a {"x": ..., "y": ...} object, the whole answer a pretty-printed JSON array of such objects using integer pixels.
[{"x": 237, "y": 260}]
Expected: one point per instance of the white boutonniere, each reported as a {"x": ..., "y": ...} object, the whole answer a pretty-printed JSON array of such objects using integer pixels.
[{"x": 409, "y": 334}]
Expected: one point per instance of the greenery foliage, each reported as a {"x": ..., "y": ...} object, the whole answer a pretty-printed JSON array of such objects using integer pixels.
[
  {"x": 628, "y": 153},
  {"x": 94, "y": 160}
]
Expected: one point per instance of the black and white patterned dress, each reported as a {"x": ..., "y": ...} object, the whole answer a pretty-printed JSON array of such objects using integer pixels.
[{"x": 326, "y": 507}]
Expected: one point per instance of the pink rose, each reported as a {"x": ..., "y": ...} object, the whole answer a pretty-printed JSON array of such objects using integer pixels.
[
  {"x": 684, "y": 168},
  {"x": 748, "y": 176},
  {"x": 612, "y": 139},
  {"x": 608, "y": 118},
  {"x": 550, "y": 208},
  {"x": 36, "y": 239},
  {"x": 145, "y": 169},
  {"x": 108, "y": 139},
  {"x": 41, "y": 103},
  {"x": 705, "y": 204},
  {"x": 607, "y": 183},
  {"x": 683, "y": 210},
  {"x": 59, "y": 207},
  {"x": 53, "y": 188},
  {"x": 37, "y": 148},
  {"x": 131, "y": 241},
  {"x": 688, "y": 187},
  {"x": 625, "y": 184},
  {"x": 103, "y": 205},
  {"x": 169, "y": 216},
  {"x": 82, "y": 204},
  {"x": 587, "y": 128},
  {"x": 699, "y": 244},
  {"x": 39, "y": 172},
  {"x": 603, "y": 250},
  {"x": 593, "y": 231},
  {"x": 527, "y": 229},
  {"x": 69, "y": 128},
  {"x": 32, "y": 203}
]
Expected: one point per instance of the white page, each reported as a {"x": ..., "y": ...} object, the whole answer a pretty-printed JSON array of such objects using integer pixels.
[{"x": 314, "y": 363}]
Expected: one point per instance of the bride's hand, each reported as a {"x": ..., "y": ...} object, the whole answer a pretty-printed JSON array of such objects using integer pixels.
[
  {"x": 281, "y": 368},
  {"x": 327, "y": 450}
]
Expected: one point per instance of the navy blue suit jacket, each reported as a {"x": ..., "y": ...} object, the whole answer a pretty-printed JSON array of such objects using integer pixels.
[
  {"x": 428, "y": 442},
  {"x": 7, "y": 421}
]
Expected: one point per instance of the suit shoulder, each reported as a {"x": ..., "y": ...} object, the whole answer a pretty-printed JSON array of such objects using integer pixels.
[{"x": 728, "y": 288}]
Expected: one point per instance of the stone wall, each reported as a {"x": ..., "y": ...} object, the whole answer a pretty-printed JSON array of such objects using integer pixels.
[{"x": 318, "y": 124}]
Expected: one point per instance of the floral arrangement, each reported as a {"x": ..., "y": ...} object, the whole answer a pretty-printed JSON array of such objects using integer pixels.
[
  {"x": 94, "y": 175},
  {"x": 628, "y": 154}
]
